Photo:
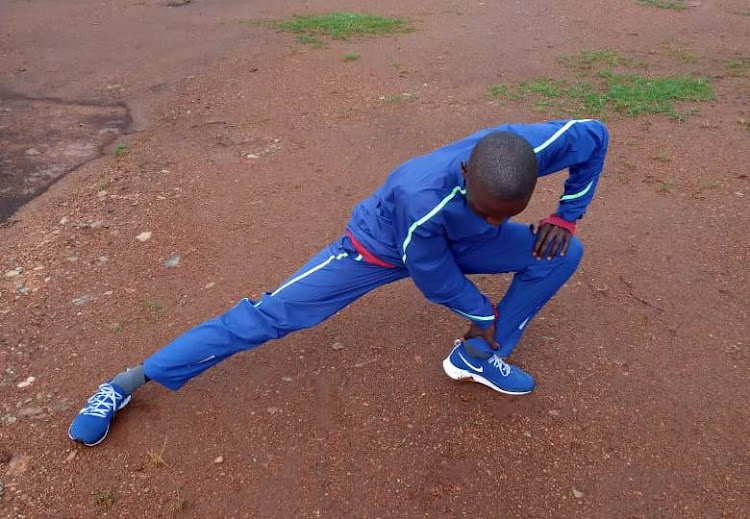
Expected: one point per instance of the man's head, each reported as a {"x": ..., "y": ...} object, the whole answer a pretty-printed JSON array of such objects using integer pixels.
[{"x": 500, "y": 176}]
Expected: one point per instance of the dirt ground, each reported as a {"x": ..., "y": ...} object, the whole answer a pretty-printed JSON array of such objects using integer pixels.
[{"x": 641, "y": 361}]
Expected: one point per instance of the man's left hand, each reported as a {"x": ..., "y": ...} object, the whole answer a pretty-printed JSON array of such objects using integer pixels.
[{"x": 552, "y": 237}]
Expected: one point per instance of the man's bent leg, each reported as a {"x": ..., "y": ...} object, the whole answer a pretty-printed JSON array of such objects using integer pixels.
[
  {"x": 534, "y": 283},
  {"x": 328, "y": 282}
]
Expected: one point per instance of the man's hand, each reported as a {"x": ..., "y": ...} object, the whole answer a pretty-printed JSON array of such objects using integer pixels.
[
  {"x": 550, "y": 236},
  {"x": 487, "y": 334}
]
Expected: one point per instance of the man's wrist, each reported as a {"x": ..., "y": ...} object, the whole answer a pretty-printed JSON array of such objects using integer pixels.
[{"x": 558, "y": 221}]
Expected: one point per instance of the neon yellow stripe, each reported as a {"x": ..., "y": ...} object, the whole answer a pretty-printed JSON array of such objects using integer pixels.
[
  {"x": 476, "y": 317},
  {"x": 429, "y": 215},
  {"x": 577, "y": 195},
  {"x": 559, "y": 132}
]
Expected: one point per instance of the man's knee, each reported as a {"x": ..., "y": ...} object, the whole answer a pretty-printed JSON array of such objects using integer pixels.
[{"x": 574, "y": 252}]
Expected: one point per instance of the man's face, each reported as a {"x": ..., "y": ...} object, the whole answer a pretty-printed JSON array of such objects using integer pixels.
[{"x": 488, "y": 208}]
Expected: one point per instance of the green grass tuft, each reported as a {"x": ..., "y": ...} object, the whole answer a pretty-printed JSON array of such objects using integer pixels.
[
  {"x": 629, "y": 95},
  {"x": 677, "y": 5},
  {"x": 341, "y": 26},
  {"x": 351, "y": 57},
  {"x": 635, "y": 95},
  {"x": 121, "y": 149},
  {"x": 587, "y": 61},
  {"x": 740, "y": 65},
  {"x": 102, "y": 498}
]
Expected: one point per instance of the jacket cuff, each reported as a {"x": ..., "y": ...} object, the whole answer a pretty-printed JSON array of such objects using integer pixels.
[{"x": 557, "y": 221}]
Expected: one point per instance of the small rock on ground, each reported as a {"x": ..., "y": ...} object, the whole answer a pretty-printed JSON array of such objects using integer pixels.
[{"x": 173, "y": 261}]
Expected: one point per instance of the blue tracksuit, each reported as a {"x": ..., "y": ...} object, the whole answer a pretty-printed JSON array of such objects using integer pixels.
[{"x": 418, "y": 225}]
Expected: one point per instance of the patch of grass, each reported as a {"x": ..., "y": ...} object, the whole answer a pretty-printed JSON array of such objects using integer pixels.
[
  {"x": 635, "y": 95},
  {"x": 662, "y": 156},
  {"x": 102, "y": 498},
  {"x": 177, "y": 502},
  {"x": 664, "y": 187},
  {"x": 740, "y": 65},
  {"x": 121, "y": 149},
  {"x": 152, "y": 306},
  {"x": 313, "y": 41},
  {"x": 116, "y": 326},
  {"x": 677, "y": 50},
  {"x": 402, "y": 98},
  {"x": 351, "y": 57},
  {"x": 629, "y": 95},
  {"x": 743, "y": 12},
  {"x": 341, "y": 26},
  {"x": 400, "y": 70},
  {"x": 155, "y": 458},
  {"x": 677, "y": 5},
  {"x": 587, "y": 61},
  {"x": 500, "y": 90}
]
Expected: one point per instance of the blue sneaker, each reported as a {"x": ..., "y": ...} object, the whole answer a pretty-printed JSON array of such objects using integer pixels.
[
  {"x": 91, "y": 424},
  {"x": 493, "y": 372}
]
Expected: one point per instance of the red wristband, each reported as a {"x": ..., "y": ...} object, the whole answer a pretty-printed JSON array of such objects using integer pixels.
[{"x": 559, "y": 222}]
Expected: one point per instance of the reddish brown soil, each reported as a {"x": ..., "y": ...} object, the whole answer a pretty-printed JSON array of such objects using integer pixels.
[{"x": 641, "y": 361}]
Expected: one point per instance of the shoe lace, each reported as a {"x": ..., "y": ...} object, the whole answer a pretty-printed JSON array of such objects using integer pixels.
[
  {"x": 102, "y": 402},
  {"x": 500, "y": 364}
]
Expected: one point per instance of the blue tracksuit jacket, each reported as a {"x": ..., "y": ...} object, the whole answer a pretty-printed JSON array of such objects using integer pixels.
[{"x": 421, "y": 210}]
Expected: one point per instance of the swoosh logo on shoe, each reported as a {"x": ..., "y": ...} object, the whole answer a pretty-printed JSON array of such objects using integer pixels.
[{"x": 479, "y": 369}]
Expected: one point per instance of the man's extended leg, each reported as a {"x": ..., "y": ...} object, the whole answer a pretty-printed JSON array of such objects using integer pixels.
[{"x": 328, "y": 282}]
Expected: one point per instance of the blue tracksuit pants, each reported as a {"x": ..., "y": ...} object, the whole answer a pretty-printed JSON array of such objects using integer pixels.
[{"x": 337, "y": 276}]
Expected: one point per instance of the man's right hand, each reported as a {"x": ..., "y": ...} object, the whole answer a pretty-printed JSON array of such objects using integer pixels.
[{"x": 488, "y": 334}]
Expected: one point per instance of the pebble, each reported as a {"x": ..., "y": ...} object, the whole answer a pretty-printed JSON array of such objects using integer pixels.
[
  {"x": 70, "y": 457},
  {"x": 144, "y": 236},
  {"x": 102, "y": 194},
  {"x": 286, "y": 379},
  {"x": 173, "y": 261},
  {"x": 577, "y": 494},
  {"x": 218, "y": 460},
  {"x": 8, "y": 419},
  {"x": 38, "y": 268},
  {"x": 209, "y": 285},
  {"x": 252, "y": 156},
  {"x": 72, "y": 259},
  {"x": 554, "y": 412},
  {"x": 108, "y": 293},
  {"x": 64, "y": 220},
  {"x": 26, "y": 383},
  {"x": 527, "y": 434},
  {"x": 11, "y": 274},
  {"x": 103, "y": 259},
  {"x": 273, "y": 410},
  {"x": 32, "y": 151},
  {"x": 337, "y": 346},
  {"x": 82, "y": 300}
]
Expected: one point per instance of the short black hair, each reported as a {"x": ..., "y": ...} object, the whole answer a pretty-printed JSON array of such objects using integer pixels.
[{"x": 504, "y": 164}]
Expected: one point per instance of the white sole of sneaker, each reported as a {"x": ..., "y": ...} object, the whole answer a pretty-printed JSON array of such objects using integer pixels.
[{"x": 467, "y": 376}]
